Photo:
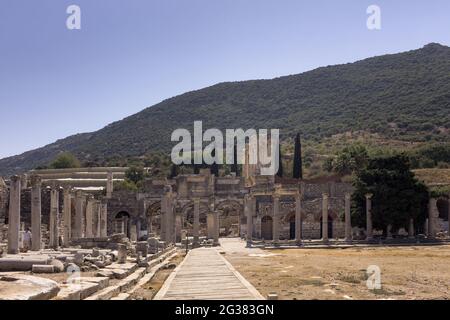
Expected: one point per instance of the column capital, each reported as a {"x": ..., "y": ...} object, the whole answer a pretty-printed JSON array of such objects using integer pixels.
[
  {"x": 348, "y": 195},
  {"x": 14, "y": 178},
  {"x": 36, "y": 180},
  {"x": 368, "y": 196},
  {"x": 325, "y": 195}
]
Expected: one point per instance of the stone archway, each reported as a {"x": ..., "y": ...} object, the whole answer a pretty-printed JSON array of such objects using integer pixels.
[
  {"x": 122, "y": 223},
  {"x": 187, "y": 219},
  {"x": 267, "y": 228}
]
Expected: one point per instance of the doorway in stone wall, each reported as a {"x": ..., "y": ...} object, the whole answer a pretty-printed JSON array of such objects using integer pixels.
[{"x": 266, "y": 228}]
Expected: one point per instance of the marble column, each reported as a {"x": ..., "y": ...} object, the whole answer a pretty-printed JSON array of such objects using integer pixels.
[
  {"x": 109, "y": 185},
  {"x": 431, "y": 219},
  {"x": 54, "y": 218},
  {"x": 196, "y": 229},
  {"x": 325, "y": 217},
  {"x": 67, "y": 217},
  {"x": 411, "y": 229},
  {"x": 98, "y": 225},
  {"x": 298, "y": 219},
  {"x": 78, "y": 231},
  {"x": 276, "y": 219},
  {"x": 369, "y": 228},
  {"x": 36, "y": 213},
  {"x": 104, "y": 221},
  {"x": 210, "y": 224},
  {"x": 216, "y": 227},
  {"x": 448, "y": 217},
  {"x": 249, "y": 214},
  {"x": 90, "y": 217},
  {"x": 14, "y": 215},
  {"x": 348, "y": 218}
]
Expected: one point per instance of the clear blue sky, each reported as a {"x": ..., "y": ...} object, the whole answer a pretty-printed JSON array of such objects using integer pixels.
[{"x": 131, "y": 54}]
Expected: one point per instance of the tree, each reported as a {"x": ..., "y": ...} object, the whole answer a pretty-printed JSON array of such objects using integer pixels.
[
  {"x": 214, "y": 168},
  {"x": 135, "y": 174},
  {"x": 65, "y": 160},
  {"x": 280, "y": 163},
  {"x": 298, "y": 165},
  {"x": 397, "y": 195},
  {"x": 350, "y": 159}
]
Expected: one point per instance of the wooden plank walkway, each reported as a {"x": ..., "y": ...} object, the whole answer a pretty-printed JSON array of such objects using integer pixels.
[{"x": 205, "y": 275}]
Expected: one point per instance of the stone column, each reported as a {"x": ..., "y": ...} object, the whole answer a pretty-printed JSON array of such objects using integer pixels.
[
  {"x": 36, "y": 213},
  {"x": 54, "y": 218},
  {"x": 348, "y": 218},
  {"x": 276, "y": 217},
  {"x": 99, "y": 211},
  {"x": 78, "y": 231},
  {"x": 210, "y": 224},
  {"x": 216, "y": 227},
  {"x": 298, "y": 219},
  {"x": 448, "y": 202},
  {"x": 89, "y": 217},
  {"x": 14, "y": 215},
  {"x": 431, "y": 222},
  {"x": 325, "y": 217},
  {"x": 196, "y": 229},
  {"x": 369, "y": 228},
  {"x": 178, "y": 228},
  {"x": 249, "y": 213},
  {"x": 389, "y": 232},
  {"x": 67, "y": 216},
  {"x": 109, "y": 185},
  {"x": 411, "y": 229},
  {"x": 104, "y": 221}
]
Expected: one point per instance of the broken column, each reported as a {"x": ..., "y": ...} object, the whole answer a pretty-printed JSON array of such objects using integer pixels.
[
  {"x": 104, "y": 220},
  {"x": 249, "y": 214},
  {"x": 431, "y": 220},
  {"x": 67, "y": 216},
  {"x": 411, "y": 229},
  {"x": 276, "y": 218},
  {"x": 36, "y": 213},
  {"x": 216, "y": 228},
  {"x": 89, "y": 217},
  {"x": 348, "y": 218},
  {"x": 121, "y": 253},
  {"x": 325, "y": 217},
  {"x": 369, "y": 228},
  {"x": 196, "y": 228},
  {"x": 109, "y": 185},
  {"x": 98, "y": 219},
  {"x": 298, "y": 219},
  {"x": 14, "y": 215},
  {"x": 54, "y": 217}
]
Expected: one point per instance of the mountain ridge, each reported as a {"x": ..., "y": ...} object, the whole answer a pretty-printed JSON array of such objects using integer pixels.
[{"x": 402, "y": 95}]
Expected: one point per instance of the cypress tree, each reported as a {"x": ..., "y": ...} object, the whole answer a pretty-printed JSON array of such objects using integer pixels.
[
  {"x": 298, "y": 164},
  {"x": 214, "y": 167},
  {"x": 234, "y": 166},
  {"x": 280, "y": 162},
  {"x": 173, "y": 171}
]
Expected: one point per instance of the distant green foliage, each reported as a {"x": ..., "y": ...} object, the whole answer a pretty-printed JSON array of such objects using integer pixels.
[
  {"x": 348, "y": 161},
  {"x": 125, "y": 185},
  {"x": 397, "y": 195},
  {"x": 65, "y": 160},
  {"x": 135, "y": 174},
  {"x": 431, "y": 156}
]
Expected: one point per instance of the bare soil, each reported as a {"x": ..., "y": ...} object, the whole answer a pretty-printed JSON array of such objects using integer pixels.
[{"x": 306, "y": 274}]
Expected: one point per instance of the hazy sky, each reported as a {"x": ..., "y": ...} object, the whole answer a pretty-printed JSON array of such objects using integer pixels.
[{"x": 131, "y": 54}]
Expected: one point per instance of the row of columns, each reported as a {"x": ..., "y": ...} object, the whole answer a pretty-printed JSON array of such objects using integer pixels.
[{"x": 93, "y": 208}]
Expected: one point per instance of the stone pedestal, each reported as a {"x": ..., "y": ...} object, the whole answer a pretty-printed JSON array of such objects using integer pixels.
[
  {"x": 54, "y": 218},
  {"x": 276, "y": 218},
  {"x": 196, "y": 228},
  {"x": 121, "y": 253},
  {"x": 348, "y": 218},
  {"x": 14, "y": 215},
  {"x": 36, "y": 213},
  {"x": 298, "y": 219},
  {"x": 369, "y": 228}
]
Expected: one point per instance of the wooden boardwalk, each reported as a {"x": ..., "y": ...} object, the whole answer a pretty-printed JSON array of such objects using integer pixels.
[{"x": 205, "y": 275}]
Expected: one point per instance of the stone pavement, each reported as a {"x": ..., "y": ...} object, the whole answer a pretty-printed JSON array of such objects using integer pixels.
[{"x": 206, "y": 275}]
